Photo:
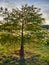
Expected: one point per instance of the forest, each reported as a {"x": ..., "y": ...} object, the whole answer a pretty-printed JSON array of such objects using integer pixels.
[{"x": 23, "y": 39}]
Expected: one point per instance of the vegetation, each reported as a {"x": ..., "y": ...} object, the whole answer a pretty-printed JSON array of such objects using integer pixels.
[{"x": 22, "y": 39}]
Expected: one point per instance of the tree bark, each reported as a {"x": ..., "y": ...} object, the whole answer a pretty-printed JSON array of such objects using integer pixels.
[
  {"x": 22, "y": 52},
  {"x": 22, "y": 45}
]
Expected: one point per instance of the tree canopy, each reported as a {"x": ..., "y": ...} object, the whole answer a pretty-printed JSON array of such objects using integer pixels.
[{"x": 28, "y": 20}]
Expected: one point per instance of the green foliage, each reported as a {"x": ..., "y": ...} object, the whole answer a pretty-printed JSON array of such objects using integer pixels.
[
  {"x": 8, "y": 38},
  {"x": 26, "y": 20}
]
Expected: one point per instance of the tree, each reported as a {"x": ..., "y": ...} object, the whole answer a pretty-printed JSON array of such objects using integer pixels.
[{"x": 26, "y": 22}]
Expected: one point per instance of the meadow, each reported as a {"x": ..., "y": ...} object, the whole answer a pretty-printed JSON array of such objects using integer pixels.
[{"x": 35, "y": 54}]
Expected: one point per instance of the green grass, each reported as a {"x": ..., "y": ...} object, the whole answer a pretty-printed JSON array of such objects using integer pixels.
[{"x": 38, "y": 54}]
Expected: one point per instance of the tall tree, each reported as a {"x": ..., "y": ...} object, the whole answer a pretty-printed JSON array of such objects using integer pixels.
[{"x": 26, "y": 23}]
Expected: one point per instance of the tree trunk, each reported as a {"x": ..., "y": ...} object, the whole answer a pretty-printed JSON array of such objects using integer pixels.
[
  {"x": 22, "y": 52},
  {"x": 22, "y": 45}
]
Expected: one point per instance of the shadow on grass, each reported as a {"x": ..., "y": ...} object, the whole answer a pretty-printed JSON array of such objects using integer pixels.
[
  {"x": 33, "y": 60},
  {"x": 22, "y": 62},
  {"x": 12, "y": 61}
]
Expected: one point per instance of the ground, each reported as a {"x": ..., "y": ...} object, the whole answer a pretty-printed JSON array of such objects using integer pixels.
[{"x": 35, "y": 54}]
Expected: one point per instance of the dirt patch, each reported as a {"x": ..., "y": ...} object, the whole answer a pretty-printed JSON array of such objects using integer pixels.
[{"x": 27, "y": 54}]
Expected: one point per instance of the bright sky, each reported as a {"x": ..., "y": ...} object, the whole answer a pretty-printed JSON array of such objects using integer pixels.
[{"x": 43, "y": 4}]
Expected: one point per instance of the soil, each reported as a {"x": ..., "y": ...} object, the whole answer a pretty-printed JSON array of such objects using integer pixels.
[{"x": 27, "y": 54}]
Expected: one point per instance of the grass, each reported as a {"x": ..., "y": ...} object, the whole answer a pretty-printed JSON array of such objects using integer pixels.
[{"x": 35, "y": 54}]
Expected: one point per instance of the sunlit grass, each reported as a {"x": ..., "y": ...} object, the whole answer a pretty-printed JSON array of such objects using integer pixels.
[{"x": 39, "y": 51}]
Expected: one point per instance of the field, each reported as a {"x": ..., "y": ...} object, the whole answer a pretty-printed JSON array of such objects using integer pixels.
[{"x": 35, "y": 54}]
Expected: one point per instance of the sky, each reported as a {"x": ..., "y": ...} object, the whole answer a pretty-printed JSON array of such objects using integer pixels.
[{"x": 43, "y": 4}]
